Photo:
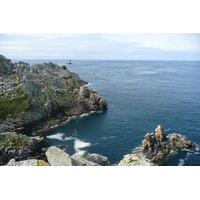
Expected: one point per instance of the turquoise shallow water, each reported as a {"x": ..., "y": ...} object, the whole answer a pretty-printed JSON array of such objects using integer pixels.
[{"x": 140, "y": 96}]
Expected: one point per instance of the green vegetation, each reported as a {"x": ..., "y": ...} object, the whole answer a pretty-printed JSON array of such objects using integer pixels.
[
  {"x": 132, "y": 161},
  {"x": 12, "y": 108},
  {"x": 13, "y": 139}
]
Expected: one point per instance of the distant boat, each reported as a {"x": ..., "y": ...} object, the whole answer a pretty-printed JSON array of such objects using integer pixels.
[{"x": 69, "y": 62}]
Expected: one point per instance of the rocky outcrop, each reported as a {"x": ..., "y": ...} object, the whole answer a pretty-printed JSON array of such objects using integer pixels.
[
  {"x": 34, "y": 98},
  {"x": 156, "y": 146},
  {"x": 20, "y": 147},
  {"x": 57, "y": 157},
  {"x": 135, "y": 160},
  {"x": 83, "y": 158},
  {"x": 31, "y": 162}
]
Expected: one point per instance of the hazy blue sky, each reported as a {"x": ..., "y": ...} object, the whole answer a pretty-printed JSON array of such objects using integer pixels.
[{"x": 119, "y": 46}]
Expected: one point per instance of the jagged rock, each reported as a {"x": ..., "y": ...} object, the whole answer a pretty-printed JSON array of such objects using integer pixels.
[
  {"x": 156, "y": 146},
  {"x": 18, "y": 146},
  {"x": 36, "y": 97},
  {"x": 57, "y": 157},
  {"x": 178, "y": 141},
  {"x": 82, "y": 158}
]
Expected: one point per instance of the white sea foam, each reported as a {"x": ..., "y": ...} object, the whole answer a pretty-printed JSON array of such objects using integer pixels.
[
  {"x": 173, "y": 152},
  {"x": 77, "y": 117},
  {"x": 68, "y": 138},
  {"x": 88, "y": 84},
  {"x": 106, "y": 138},
  {"x": 80, "y": 144},
  {"x": 167, "y": 130},
  {"x": 181, "y": 162},
  {"x": 58, "y": 136},
  {"x": 54, "y": 126}
]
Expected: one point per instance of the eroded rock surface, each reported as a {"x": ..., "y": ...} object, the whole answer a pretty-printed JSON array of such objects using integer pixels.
[
  {"x": 34, "y": 98},
  {"x": 57, "y": 157},
  {"x": 156, "y": 146}
]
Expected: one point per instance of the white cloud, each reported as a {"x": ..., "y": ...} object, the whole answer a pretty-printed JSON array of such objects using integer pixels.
[
  {"x": 15, "y": 48},
  {"x": 6, "y": 42},
  {"x": 164, "y": 41}
]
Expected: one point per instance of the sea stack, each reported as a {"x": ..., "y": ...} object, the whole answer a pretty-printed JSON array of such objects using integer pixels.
[{"x": 155, "y": 147}]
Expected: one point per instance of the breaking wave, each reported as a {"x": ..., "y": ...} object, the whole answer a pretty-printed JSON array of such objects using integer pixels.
[
  {"x": 59, "y": 136},
  {"x": 80, "y": 144}
]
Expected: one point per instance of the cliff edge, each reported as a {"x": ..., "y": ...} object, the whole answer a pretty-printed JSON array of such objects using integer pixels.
[{"x": 34, "y": 98}]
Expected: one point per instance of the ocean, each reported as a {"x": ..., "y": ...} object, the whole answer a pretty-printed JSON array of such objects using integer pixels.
[{"x": 141, "y": 95}]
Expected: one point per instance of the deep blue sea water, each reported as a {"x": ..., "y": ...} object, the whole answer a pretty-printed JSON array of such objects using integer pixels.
[{"x": 140, "y": 96}]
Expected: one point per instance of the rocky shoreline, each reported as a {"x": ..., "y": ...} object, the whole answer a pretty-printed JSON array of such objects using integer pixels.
[{"x": 35, "y": 98}]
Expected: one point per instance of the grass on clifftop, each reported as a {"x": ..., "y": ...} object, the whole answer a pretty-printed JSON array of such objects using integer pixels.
[{"x": 11, "y": 108}]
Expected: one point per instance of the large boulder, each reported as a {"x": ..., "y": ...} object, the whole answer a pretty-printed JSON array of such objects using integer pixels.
[
  {"x": 85, "y": 158},
  {"x": 57, "y": 157}
]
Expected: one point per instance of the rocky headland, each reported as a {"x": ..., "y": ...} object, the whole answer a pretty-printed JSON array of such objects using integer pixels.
[
  {"x": 34, "y": 98},
  {"x": 155, "y": 148}
]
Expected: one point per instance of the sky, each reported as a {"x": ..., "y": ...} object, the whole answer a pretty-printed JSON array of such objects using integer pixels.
[{"x": 101, "y": 46}]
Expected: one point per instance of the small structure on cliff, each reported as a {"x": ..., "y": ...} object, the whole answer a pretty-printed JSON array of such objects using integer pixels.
[{"x": 69, "y": 63}]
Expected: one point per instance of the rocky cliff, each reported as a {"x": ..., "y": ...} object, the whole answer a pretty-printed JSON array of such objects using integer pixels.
[
  {"x": 156, "y": 147},
  {"x": 34, "y": 98}
]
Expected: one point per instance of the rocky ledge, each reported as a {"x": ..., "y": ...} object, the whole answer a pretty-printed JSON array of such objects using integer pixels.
[
  {"x": 58, "y": 157},
  {"x": 34, "y": 98},
  {"x": 21, "y": 147},
  {"x": 156, "y": 147}
]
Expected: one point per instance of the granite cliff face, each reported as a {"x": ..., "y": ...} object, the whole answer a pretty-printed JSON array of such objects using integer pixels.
[
  {"x": 156, "y": 147},
  {"x": 34, "y": 98}
]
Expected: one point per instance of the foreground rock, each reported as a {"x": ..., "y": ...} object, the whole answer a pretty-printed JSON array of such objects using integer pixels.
[
  {"x": 155, "y": 147},
  {"x": 135, "y": 160},
  {"x": 20, "y": 147},
  {"x": 83, "y": 158},
  {"x": 34, "y": 98},
  {"x": 31, "y": 162},
  {"x": 57, "y": 157}
]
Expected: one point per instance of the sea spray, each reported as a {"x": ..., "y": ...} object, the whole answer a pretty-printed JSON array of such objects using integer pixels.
[{"x": 80, "y": 144}]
